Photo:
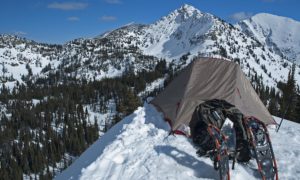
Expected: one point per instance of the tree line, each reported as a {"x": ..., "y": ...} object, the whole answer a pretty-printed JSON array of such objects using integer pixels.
[
  {"x": 284, "y": 102},
  {"x": 46, "y": 125}
]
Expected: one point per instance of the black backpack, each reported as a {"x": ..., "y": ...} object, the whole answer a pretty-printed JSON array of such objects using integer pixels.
[{"x": 215, "y": 112}]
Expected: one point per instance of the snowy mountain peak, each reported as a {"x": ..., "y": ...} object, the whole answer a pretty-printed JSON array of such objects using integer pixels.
[
  {"x": 185, "y": 12},
  {"x": 272, "y": 17},
  {"x": 188, "y": 9},
  {"x": 280, "y": 34}
]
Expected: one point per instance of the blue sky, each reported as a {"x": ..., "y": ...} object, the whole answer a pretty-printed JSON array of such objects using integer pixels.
[{"x": 59, "y": 21}]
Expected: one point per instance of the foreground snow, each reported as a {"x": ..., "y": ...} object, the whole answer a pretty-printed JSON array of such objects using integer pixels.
[{"x": 139, "y": 148}]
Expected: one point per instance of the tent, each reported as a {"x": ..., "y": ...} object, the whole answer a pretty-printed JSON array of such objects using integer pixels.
[{"x": 206, "y": 79}]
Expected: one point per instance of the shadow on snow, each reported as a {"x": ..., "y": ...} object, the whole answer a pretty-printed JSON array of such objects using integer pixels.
[{"x": 201, "y": 169}]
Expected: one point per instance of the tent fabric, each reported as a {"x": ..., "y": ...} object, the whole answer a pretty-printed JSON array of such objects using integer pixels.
[{"x": 206, "y": 79}]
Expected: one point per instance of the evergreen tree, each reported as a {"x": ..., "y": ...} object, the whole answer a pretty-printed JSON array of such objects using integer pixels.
[
  {"x": 289, "y": 98},
  {"x": 297, "y": 109}
]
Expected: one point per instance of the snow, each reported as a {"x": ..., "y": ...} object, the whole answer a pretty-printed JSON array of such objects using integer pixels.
[
  {"x": 189, "y": 31},
  {"x": 35, "y": 101},
  {"x": 286, "y": 145},
  {"x": 103, "y": 118},
  {"x": 184, "y": 31},
  {"x": 271, "y": 29},
  {"x": 150, "y": 87},
  {"x": 14, "y": 60},
  {"x": 140, "y": 147},
  {"x": 185, "y": 27}
]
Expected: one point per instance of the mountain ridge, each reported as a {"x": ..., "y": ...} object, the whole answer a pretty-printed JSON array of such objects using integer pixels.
[
  {"x": 276, "y": 32},
  {"x": 178, "y": 37},
  {"x": 139, "y": 146}
]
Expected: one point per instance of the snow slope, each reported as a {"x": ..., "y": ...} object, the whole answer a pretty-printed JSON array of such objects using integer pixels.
[
  {"x": 278, "y": 33},
  {"x": 139, "y": 148},
  {"x": 20, "y": 58}
]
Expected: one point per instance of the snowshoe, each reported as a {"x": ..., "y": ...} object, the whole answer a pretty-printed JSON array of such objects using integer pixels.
[
  {"x": 220, "y": 153},
  {"x": 229, "y": 132},
  {"x": 262, "y": 148}
]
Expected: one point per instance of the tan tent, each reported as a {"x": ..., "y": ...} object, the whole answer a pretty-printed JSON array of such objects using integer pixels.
[{"x": 207, "y": 79}]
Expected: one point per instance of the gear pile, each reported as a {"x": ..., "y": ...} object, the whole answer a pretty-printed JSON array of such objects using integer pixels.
[{"x": 222, "y": 132}]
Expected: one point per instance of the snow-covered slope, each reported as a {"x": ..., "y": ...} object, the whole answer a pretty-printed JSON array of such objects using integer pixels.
[
  {"x": 170, "y": 37},
  {"x": 90, "y": 59},
  {"x": 281, "y": 34},
  {"x": 23, "y": 59},
  {"x": 139, "y": 147}
]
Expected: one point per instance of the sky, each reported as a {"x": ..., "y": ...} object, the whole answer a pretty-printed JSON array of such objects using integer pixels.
[{"x": 60, "y": 21}]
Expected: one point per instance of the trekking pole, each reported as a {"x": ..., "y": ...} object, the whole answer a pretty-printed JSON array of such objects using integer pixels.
[
  {"x": 283, "y": 117},
  {"x": 233, "y": 162}
]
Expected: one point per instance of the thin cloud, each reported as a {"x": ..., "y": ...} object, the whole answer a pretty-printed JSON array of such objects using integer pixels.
[
  {"x": 113, "y": 1},
  {"x": 73, "y": 18},
  {"x": 239, "y": 16},
  {"x": 66, "y": 6},
  {"x": 108, "y": 18}
]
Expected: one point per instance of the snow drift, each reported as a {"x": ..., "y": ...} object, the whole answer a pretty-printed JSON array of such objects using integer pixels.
[{"x": 139, "y": 147}]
